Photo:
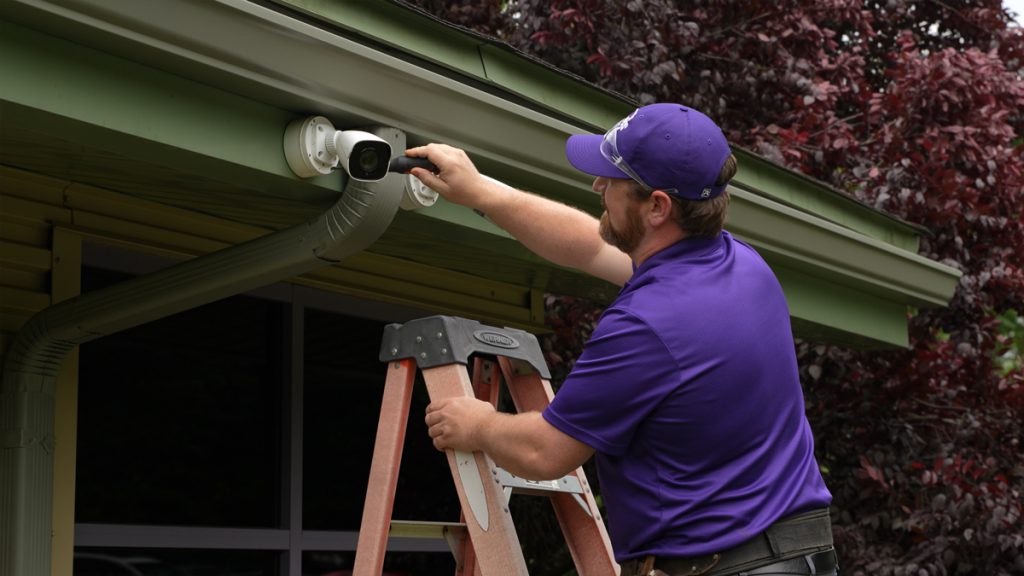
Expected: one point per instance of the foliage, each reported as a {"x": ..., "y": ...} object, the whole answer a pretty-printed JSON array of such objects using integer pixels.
[
  {"x": 915, "y": 107},
  {"x": 1009, "y": 352}
]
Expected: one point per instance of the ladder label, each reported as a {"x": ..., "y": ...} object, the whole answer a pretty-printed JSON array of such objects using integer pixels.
[{"x": 496, "y": 339}]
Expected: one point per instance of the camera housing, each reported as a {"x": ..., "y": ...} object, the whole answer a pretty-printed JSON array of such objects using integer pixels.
[
  {"x": 313, "y": 147},
  {"x": 364, "y": 156}
]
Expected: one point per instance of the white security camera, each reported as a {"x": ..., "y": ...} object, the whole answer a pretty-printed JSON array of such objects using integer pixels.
[
  {"x": 363, "y": 155},
  {"x": 313, "y": 147}
]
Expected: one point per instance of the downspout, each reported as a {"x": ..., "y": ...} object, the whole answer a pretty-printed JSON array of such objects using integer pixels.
[{"x": 357, "y": 219}]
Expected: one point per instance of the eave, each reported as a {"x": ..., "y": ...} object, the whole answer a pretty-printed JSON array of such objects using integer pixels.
[{"x": 202, "y": 90}]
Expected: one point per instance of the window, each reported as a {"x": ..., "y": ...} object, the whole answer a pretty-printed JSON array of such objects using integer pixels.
[
  {"x": 236, "y": 439},
  {"x": 179, "y": 420},
  {"x": 343, "y": 389},
  {"x": 157, "y": 562}
]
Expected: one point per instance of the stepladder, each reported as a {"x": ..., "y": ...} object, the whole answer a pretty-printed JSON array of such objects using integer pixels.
[{"x": 460, "y": 357}]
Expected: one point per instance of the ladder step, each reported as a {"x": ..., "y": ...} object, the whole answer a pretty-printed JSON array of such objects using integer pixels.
[
  {"x": 512, "y": 484},
  {"x": 454, "y": 533},
  {"x": 569, "y": 484},
  {"x": 420, "y": 529}
]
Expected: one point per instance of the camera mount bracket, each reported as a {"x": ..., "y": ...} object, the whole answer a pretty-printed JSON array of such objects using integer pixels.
[{"x": 306, "y": 146}]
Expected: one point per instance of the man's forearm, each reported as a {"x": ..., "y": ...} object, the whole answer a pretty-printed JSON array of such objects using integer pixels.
[
  {"x": 552, "y": 230},
  {"x": 525, "y": 444},
  {"x": 557, "y": 232},
  {"x": 515, "y": 443}
]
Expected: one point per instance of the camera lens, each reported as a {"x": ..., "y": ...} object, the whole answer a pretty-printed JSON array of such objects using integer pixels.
[{"x": 369, "y": 160}]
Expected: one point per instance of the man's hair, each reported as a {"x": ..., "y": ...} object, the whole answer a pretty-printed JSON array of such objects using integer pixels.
[{"x": 700, "y": 217}]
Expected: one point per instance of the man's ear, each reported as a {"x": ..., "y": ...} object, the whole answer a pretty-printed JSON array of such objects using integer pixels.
[{"x": 659, "y": 208}]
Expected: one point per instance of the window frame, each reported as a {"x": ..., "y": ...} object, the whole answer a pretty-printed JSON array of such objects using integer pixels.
[{"x": 290, "y": 539}]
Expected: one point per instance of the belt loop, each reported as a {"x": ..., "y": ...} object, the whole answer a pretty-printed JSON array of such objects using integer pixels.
[
  {"x": 647, "y": 568},
  {"x": 809, "y": 559},
  {"x": 773, "y": 543}
]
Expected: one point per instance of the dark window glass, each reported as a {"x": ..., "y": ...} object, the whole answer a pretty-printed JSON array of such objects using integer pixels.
[
  {"x": 344, "y": 383},
  {"x": 166, "y": 562},
  {"x": 395, "y": 563},
  {"x": 179, "y": 419}
]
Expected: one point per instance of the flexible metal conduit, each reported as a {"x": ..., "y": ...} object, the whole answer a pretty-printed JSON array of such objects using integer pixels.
[{"x": 359, "y": 217}]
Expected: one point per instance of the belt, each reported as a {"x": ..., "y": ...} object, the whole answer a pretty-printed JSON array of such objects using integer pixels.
[
  {"x": 797, "y": 537},
  {"x": 817, "y": 564}
]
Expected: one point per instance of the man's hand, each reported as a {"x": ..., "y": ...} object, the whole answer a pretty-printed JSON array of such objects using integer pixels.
[
  {"x": 457, "y": 179},
  {"x": 562, "y": 234},
  {"x": 524, "y": 444},
  {"x": 459, "y": 423}
]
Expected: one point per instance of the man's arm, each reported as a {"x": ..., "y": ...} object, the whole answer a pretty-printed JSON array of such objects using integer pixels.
[
  {"x": 554, "y": 231},
  {"x": 524, "y": 444}
]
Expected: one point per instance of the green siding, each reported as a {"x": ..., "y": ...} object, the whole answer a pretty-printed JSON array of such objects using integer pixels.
[{"x": 115, "y": 104}]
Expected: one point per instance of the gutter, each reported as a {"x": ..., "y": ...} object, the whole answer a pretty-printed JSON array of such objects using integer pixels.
[{"x": 356, "y": 220}]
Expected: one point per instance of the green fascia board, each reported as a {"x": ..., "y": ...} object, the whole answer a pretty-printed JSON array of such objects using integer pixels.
[
  {"x": 760, "y": 176},
  {"x": 824, "y": 311},
  {"x": 398, "y": 28},
  {"x": 853, "y": 290},
  {"x": 426, "y": 38},
  {"x": 153, "y": 111},
  {"x": 835, "y": 253},
  {"x": 789, "y": 237},
  {"x": 557, "y": 92}
]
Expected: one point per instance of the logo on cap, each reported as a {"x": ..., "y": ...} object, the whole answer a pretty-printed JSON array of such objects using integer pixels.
[
  {"x": 705, "y": 192},
  {"x": 609, "y": 145}
]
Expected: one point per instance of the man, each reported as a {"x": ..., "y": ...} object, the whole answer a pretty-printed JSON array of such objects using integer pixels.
[{"x": 687, "y": 393}]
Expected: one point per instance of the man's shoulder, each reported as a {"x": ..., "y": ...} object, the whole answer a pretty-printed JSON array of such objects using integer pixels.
[{"x": 638, "y": 318}]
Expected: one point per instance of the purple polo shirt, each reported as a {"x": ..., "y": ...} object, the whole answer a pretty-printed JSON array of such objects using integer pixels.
[{"x": 688, "y": 392}]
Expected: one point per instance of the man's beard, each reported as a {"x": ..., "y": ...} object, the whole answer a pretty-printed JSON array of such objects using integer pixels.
[{"x": 628, "y": 238}]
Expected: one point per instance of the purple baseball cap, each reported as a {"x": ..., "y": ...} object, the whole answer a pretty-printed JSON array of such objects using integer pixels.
[{"x": 667, "y": 147}]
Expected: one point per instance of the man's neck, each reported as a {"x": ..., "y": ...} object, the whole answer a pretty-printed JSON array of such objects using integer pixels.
[{"x": 655, "y": 241}]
